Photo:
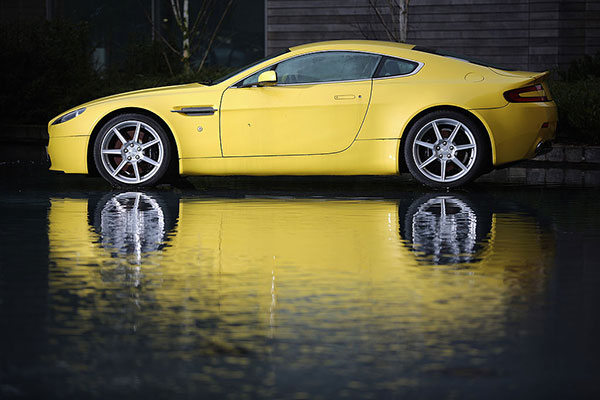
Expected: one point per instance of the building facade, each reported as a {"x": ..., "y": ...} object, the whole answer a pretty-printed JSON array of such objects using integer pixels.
[{"x": 517, "y": 34}]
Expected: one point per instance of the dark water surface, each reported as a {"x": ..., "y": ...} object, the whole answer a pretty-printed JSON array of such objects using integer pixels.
[{"x": 256, "y": 288}]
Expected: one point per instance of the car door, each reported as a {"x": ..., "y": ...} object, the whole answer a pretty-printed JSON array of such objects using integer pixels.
[{"x": 317, "y": 106}]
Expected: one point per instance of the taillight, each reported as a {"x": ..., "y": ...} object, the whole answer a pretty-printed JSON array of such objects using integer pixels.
[{"x": 526, "y": 94}]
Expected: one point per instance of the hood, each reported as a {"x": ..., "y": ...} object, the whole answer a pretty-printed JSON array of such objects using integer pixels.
[{"x": 137, "y": 94}]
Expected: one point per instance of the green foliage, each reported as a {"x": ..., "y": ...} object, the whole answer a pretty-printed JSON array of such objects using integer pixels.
[
  {"x": 46, "y": 68},
  {"x": 577, "y": 95},
  {"x": 582, "y": 68},
  {"x": 578, "y": 110}
]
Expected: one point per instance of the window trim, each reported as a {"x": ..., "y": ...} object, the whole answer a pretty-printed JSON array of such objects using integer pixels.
[{"x": 383, "y": 56}]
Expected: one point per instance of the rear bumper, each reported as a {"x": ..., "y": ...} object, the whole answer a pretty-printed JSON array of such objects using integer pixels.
[
  {"x": 518, "y": 131},
  {"x": 68, "y": 154}
]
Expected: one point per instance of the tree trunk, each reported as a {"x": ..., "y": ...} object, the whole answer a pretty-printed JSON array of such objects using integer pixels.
[
  {"x": 186, "y": 53},
  {"x": 182, "y": 17},
  {"x": 395, "y": 25},
  {"x": 403, "y": 20},
  {"x": 197, "y": 32}
]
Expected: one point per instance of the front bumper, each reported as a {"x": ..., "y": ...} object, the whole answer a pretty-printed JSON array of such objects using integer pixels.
[{"x": 68, "y": 154}]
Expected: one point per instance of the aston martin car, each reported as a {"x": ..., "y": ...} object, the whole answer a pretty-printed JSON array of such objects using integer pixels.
[{"x": 328, "y": 108}]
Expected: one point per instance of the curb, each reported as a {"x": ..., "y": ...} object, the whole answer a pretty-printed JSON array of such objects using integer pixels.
[
  {"x": 571, "y": 154},
  {"x": 543, "y": 175}
]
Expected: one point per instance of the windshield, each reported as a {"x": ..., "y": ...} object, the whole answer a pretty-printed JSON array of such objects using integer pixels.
[{"x": 234, "y": 73}]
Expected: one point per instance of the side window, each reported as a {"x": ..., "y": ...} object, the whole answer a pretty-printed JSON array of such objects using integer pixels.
[
  {"x": 395, "y": 66},
  {"x": 252, "y": 79},
  {"x": 328, "y": 66}
]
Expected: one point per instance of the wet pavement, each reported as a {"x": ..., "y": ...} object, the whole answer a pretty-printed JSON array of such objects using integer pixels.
[{"x": 297, "y": 288}]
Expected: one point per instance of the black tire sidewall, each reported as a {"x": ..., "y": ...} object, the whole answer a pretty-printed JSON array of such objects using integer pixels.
[
  {"x": 480, "y": 142},
  {"x": 107, "y": 127}
]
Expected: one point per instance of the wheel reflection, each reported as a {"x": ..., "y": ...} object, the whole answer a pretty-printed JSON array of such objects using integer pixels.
[
  {"x": 130, "y": 224},
  {"x": 446, "y": 229},
  {"x": 220, "y": 279}
]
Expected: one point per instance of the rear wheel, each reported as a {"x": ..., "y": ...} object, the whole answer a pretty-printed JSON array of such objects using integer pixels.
[
  {"x": 445, "y": 149},
  {"x": 132, "y": 150}
]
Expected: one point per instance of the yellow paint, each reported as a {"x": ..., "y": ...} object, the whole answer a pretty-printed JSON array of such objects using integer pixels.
[
  {"x": 294, "y": 119},
  {"x": 519, "y": 128},
  {"x": 68, "y": 153},
  {"x": 365, "y": 157},
  {"x": 297, "y": 124},
  {"x": 229, "y": 258},
  {"x": 267, "y": 78}
]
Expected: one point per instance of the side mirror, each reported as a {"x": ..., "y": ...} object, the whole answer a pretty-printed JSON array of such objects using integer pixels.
[{"x": 267, "y": 78}]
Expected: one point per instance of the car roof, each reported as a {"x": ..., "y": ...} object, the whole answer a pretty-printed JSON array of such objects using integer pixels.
[{"x": 361, "y": 45}]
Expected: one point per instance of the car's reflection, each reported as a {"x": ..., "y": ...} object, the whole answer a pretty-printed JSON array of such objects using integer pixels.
[
  {"x": 445, "y": 229},
  {"x": 227, "y": 272},
  {"x": 131, "y": 223}
]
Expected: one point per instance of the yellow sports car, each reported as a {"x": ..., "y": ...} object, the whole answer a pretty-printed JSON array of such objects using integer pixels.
[{"x": 330, "y": 108}]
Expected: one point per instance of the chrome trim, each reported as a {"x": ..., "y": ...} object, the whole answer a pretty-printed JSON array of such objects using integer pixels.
[
  {"x": 195, "y": 111},
  {"x": 543, "y": 147},
  {"x": 420, "y": 65},
  {"x": 321, "y": 83}
]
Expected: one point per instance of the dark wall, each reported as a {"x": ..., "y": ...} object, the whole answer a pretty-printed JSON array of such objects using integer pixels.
[{"x": 519, "y": 34}]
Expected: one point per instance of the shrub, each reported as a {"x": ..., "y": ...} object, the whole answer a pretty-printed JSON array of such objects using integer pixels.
[
  {"x": 578, "y": 110},
  {"x": 582, "y": 68},
  {"x": 577, "y": 95},
  {"x": 46, "y": 68}
]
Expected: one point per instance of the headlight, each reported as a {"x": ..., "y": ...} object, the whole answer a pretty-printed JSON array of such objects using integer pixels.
[{"x": 68, "y": 116}]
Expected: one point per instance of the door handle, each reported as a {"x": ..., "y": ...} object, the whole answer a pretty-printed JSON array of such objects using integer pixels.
[{"x": 344, "y": 97}]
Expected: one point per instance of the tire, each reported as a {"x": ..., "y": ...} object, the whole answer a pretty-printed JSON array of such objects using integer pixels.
[
  {"x": 132, "y": 150},
  {"x": 445, "y": 149}
]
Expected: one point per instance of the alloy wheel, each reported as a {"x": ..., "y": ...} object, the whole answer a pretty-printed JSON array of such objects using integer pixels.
[
  {"x": 444, "y": 150},
  {"x": 132, "y": 152}
]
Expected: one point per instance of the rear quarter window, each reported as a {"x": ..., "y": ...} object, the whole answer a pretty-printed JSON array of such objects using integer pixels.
[{"x": 395, "y": 67}]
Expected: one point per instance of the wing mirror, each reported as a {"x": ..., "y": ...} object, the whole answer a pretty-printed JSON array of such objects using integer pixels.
[{"x": 267, "y": 78}]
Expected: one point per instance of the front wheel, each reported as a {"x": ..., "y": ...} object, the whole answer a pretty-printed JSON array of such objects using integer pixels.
[
  {"x": 445, "y": 149},
  {"x": 132, "y": 150}
]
